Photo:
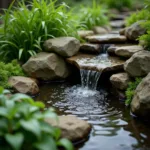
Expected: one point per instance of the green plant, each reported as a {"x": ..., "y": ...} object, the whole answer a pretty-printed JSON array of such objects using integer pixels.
[
  {"x": 92, "y": 16},
  {"x": 118, "y": 4},
  {"x": 131, "y": 90},
  {"x": 25, "y": 28},
  {"x": 23, "y": 126},
  {"x": 140, "y": 15},
  {"x": 8, "y": 70}
]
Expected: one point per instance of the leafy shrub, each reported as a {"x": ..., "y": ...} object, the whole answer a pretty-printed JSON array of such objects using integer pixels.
[
  {"x": 130, "y": 90},
  {"x": 8, "y": 70},
  {"x": 27, "y": 27},
  {"x": 22, "y": 125},
  {"x": 92, "y": 16},
  {"x": 140, "y": 15},
  {"x": 118, "y": 4}
]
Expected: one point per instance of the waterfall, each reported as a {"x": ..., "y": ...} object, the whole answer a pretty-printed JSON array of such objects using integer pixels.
[{"x": 89, "y": 79}]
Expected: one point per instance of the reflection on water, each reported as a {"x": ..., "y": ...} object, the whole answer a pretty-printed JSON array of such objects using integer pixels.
[{"x": 113, "y": 128}]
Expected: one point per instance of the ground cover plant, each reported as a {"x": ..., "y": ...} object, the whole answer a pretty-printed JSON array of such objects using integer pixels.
[
  {"x": 91, "y": 16},
  {"x": 25, "y": 28},
  {"x": 23, "y": 126},
  {"x": 131, "y": 90},
  {"x": 8, "y": 70}
]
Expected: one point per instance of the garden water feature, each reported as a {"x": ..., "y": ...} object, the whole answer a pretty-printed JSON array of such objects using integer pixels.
[{"x": 112, "y": 127}]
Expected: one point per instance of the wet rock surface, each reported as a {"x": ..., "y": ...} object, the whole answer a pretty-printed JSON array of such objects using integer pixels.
[
  {"x": 46, "y": 66},
  {"x": 64, "y": 46},
  {"x": 72, "y": 128},
  {"x": 138, "y": 64},
  {"x": 140, "y": 104},
  {"x": 97, "y": 63},
  {"x": 24, "y": 85}
]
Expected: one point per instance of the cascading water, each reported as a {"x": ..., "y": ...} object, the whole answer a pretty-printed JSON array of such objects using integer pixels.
[{"x": 89, "y": 79}]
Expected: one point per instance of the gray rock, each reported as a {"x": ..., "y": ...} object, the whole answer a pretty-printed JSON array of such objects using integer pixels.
[
  {"x": 71, "y": 127},
  {"x": 134, "y": 31},
  {"x": 90, "y": 48},
  {"x": 99, "y": 30},
  {"x": 120, "y": 80},
  {"x": 64, "y": 46},
  {"x": 140, "y": 104},
  {"x": 107, "y": 38},
  {"x": 46, "y": 66},
  {"x": 138, "y": 64},
  {"x": 128, "y": 51},
  {"x": 24, "y": 85},
  {"x": 84, "y": 33},
  {"x": 117, "y": 23}
]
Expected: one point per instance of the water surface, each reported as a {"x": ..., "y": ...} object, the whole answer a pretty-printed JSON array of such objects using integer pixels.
[{"x": 113, "y": 127}]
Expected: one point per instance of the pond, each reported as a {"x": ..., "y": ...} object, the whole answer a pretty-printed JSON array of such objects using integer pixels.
[{"x": 113, "y": 128}]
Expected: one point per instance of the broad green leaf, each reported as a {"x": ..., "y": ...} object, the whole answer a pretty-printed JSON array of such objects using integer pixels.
[
  {"x": 66, "y": 144},
  {"x": 15, "y": 140},
  {"x": 19, "y": 96},
  {"x": 47, "y": 143},
  {"x": 20, "y": 53},
  {"x": 33, "y": 126},
  {"x": 1, "y": 90}
]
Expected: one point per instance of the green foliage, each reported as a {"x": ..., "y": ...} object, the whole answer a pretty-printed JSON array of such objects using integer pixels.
[
  {"x": 118, "y": 4},
  {"x": 27, "y": 27},
  {"x": 130, "y": 90},
  {"x": 22, "y": 125},
  {"x": 8, "y": 70},
  {"x": 92, "y": 16},
  {"x": 140, "y": 15}
]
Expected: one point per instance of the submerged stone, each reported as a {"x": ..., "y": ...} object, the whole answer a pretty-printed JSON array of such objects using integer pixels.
[{"x": 71, "y": 127}]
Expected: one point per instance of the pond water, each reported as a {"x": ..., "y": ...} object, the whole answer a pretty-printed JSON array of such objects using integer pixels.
[{"x": 113, "y": 127}]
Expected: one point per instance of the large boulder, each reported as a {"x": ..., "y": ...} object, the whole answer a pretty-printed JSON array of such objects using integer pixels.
[
  {"x": 138, "y": 64},
  {"x": 71, "y": 127},
  {"x": 128, "y": 51},
  {"x": 64, "y": 46},
  {"x": 24, "y": 85},
  {"x": 120, "y": 80},
  {"x": 134, "y": 31},
  {"x": 46, "y": 66},
  {"x": 140, "y": 104}
]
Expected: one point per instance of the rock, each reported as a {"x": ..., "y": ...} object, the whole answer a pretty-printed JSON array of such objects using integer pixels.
[
  {"x": 139, "y": 64},
  {"x": 84, "y": 33},
  {"x": 99, "y": 30},
  {"x": 64, "y": 46},
  {"x": 117, "y": 24},
  {"x": 128, "y": 51},
  {"x": 122, "y": 31},
  {"x": 96, "y": 63},
  {"x": 90, "y": 48},
  {"x": 120, "y": 80},
  {"x": 107, "y": 38},
  {"x": 140, "y": 104},
  {"x": 134, "y": 31},
  {"x": 118, "y": 17},
  {"x": 46, "y": 66},
  {"x": 111, "y": 50},
  {"x": 24, "y": 85},
  {"x": 72, "y": 128}
]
